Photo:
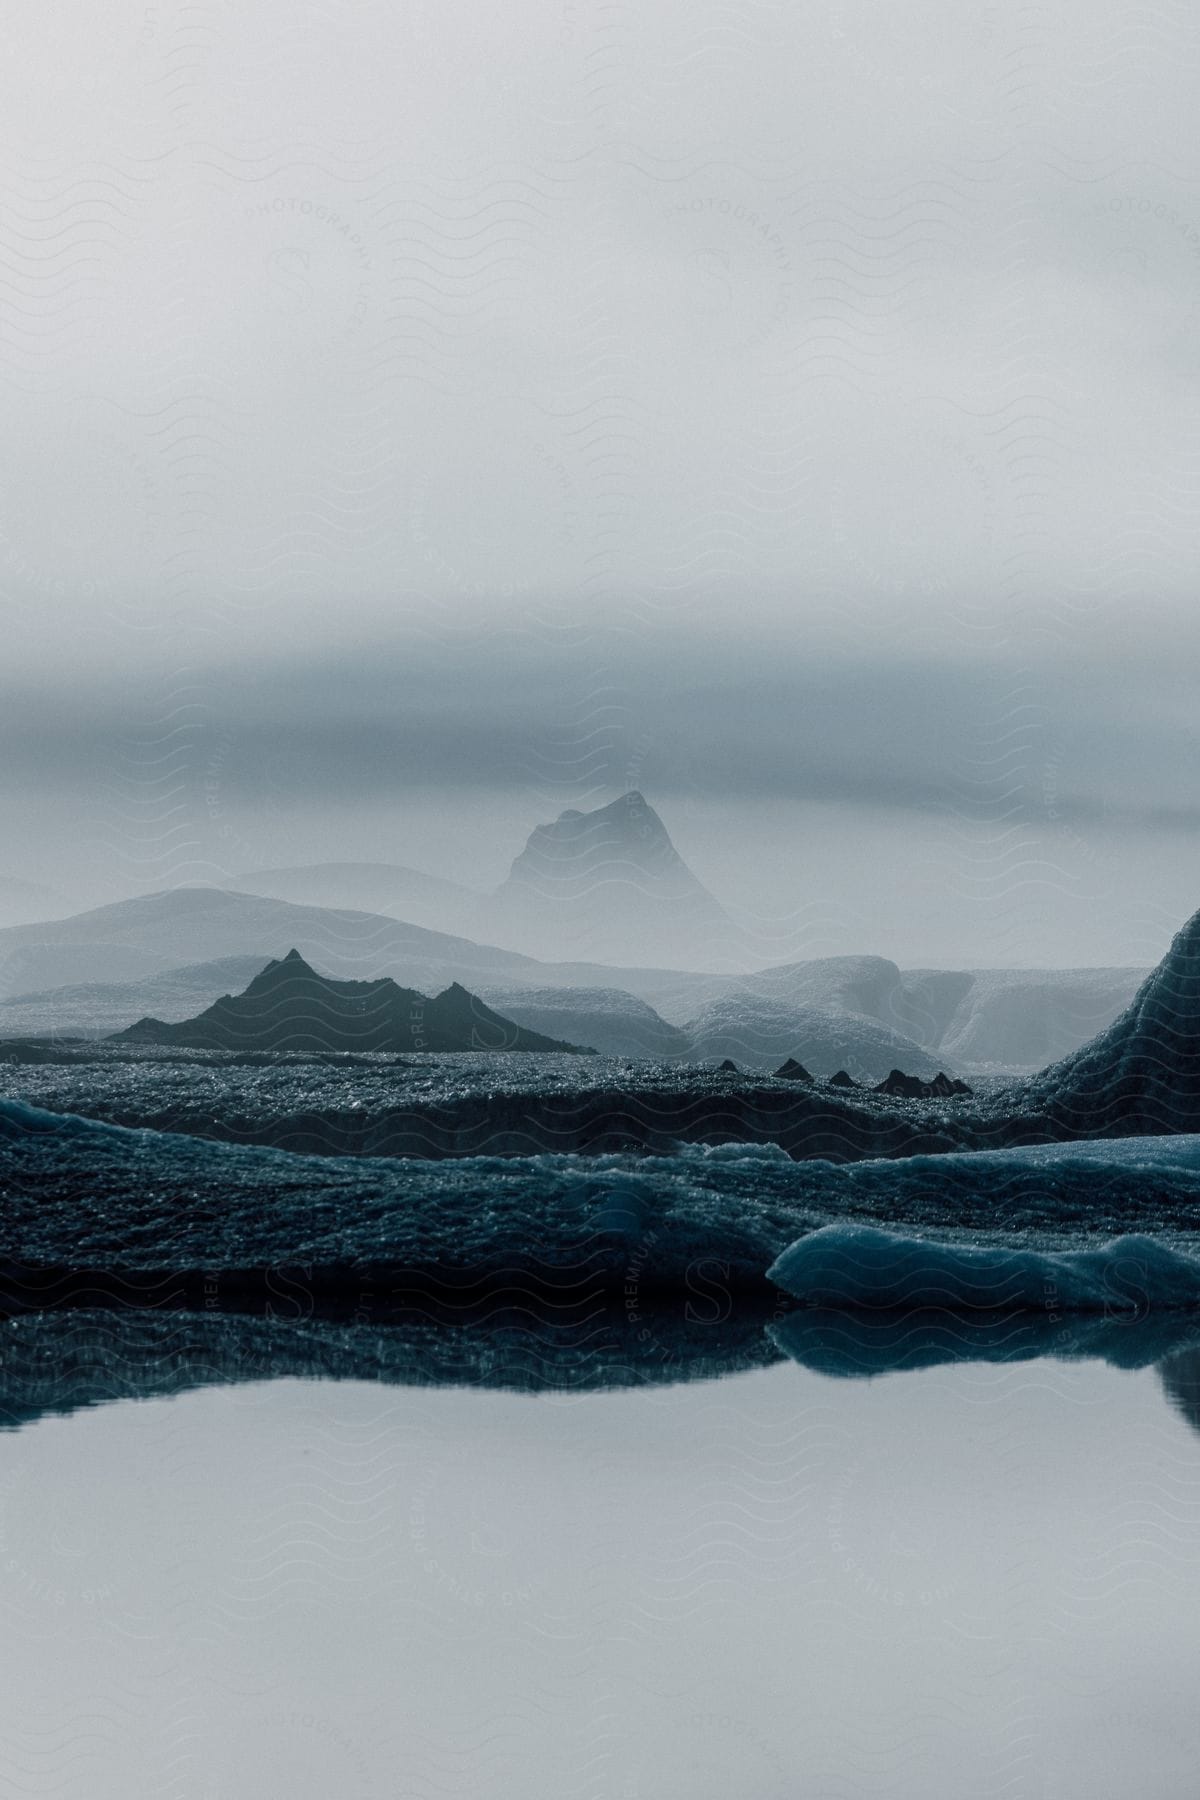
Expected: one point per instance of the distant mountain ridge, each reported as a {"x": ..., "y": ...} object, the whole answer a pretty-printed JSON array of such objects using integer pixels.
[
  {"x": 582, "y": 850},
  {"x": 102, "y": 1007},
  {"x": 156, "y": 953},
  {"x": 605, "y": 885},
  {"x": 616, "y": 1022},
  {"x": 288, "y": 1006},
  {"x": 608, "y": 887}
]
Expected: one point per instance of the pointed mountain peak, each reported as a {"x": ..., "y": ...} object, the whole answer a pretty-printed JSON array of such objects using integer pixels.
[
  {"x": 609, "y": 885},
  {"x": 286, "y": 968},
  {"x": 631, "y": 800},
  {"x": 294, "y": 963},
  {"x": 624, "y": 838},
  {"x": 629, "y": 813}
]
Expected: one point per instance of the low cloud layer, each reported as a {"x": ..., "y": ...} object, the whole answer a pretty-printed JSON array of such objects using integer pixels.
[{"x": 447, "y": 417}]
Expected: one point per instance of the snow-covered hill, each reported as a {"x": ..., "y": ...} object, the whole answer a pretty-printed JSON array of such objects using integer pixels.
[
  {"x": 614, "y": 1022},
  {"x": 756, "y": 1032},
  {"x": 982, "y": 1020}
]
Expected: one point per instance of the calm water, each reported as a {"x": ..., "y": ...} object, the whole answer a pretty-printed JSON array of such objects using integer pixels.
[{"x": 979, "y": 1580}]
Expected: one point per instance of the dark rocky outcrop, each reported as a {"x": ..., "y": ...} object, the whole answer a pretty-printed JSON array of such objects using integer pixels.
[
  {"x": 792, "y": 1070},
  {"x": 842, "y": 1080},
  {"x": 728, "y": 1067},
  {"x": 911, "y": 1087},
  {"x": 288, "y": 1006}
]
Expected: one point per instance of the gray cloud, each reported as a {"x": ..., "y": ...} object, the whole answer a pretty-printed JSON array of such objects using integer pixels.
[
  {"x": 713, "y": 718},
  {"x": 437, "y": 403}
]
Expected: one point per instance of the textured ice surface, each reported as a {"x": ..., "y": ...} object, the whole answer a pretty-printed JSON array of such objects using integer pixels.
[
  {"x": 1143, "y": 1073},
  {"x": 74, "y": 1194},
  {"x": 463, "y": 1104}
]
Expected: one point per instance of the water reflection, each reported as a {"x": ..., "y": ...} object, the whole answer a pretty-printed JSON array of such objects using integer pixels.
[
  {"x": 59, "y": 1361},
  {"x": 861, "y": 1345},
  {"x": 1181, "y": 1384},
  {"x": 760, "y": 1581},
  {"x": 865, "y": 1343}
]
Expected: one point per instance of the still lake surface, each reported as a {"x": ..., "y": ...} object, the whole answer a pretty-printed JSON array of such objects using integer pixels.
[{"x": 977, "y": 1579}]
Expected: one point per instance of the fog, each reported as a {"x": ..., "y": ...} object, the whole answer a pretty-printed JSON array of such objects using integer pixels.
[{"x": 419, "y": 422}]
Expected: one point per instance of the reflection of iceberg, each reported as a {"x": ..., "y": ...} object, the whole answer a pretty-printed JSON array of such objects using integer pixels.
[
  {"x": 882, "y": 1304},
  {"x": 58, "y": 1361},
  {"x": 857, "y": 1266},
  {"x": 1181, "y": 1383},
  {"x": 863, "y": 1344},
  {"x": 858, "y": 1344}
]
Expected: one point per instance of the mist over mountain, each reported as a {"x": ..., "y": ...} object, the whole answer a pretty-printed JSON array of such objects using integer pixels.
[
  {"x": 97, "y": 1008},
  {"x": 25, "y": 902},
  {"x": 758, "y": 1032},
  {"x": 614, "y": 1021},
  {"x": 171, "y": 954},
  {"x": 598, "y": 722},
  {"x": 609, "y": 885},
  {"x": 605, "y": 885},
  {"x": 373, "y": 887},
  {"x": 141, "y": 937},
  {"x": 984, "y": 1020}
]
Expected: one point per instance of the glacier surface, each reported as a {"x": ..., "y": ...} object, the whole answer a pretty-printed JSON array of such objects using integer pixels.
[{"x": 76, "y": 1193}]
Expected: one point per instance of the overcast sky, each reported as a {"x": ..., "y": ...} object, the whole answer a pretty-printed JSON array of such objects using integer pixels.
[{"x": 421, "y": 419}]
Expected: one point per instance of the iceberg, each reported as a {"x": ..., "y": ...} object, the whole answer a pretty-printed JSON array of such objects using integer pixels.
[{"x": 857, "y": 1266}]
